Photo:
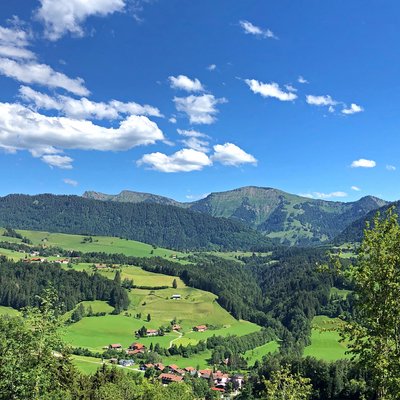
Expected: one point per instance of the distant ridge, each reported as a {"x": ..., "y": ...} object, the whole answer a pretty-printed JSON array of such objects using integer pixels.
[{"x": 287, "y": 218}]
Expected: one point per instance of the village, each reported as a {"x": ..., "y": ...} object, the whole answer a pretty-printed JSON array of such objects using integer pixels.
[{"x": 218, "y": 381}]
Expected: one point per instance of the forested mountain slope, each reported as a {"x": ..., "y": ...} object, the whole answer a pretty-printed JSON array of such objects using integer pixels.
[
  {"x": 289, "y": 218},
  {"x": 157, "y": 224}
]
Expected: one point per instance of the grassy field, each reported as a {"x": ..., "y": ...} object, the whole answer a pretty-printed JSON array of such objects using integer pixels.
[
  {"x": 257, "y": 354},
  {"x": 89, "y": 365},
  {"x": 325, "y": 342},
  {"x": 8, "y": 311},
  {"x": 100, "y": 243},
  {"x": 14, "y": 255}
]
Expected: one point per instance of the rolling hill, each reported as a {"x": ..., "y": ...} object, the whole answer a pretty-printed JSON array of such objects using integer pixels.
[
  {"x": 156, "y": 224},
  {"x": 282, "y": 216}
]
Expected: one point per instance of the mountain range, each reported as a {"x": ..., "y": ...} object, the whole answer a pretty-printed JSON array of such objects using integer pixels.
[{"x": 287, "y": 218}]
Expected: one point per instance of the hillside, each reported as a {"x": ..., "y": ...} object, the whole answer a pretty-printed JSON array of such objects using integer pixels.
[
  {"x": 156, "y": 224},
  {"x": 289, "y": 218},
  {"x": 354, "y": 232}
]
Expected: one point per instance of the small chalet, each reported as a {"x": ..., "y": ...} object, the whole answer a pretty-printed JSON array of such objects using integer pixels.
[
  {"x": 176, "y": 297},
  {"x": 176, "y": 327},
  {"x": 205, "y": 373},
  {"x": 152, "y": 332},
  {"x": 159, "y": 367},
  {"x": 115, "y": 346},
  {"x": 200, "y": 328},
  {"x": 63, "y": 261},
  {"x": 136, "y": 348},
  {"x": 37, "y": 259},
  {"x": 169, "y": 378}
]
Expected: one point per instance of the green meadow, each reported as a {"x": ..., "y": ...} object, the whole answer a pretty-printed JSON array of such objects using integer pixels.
[
  {"x": 325, "y": 340},
  {"x": 8, "y": 311},
  {"x": 99, "y": 244},
  {"x": 257, "y": 354}
]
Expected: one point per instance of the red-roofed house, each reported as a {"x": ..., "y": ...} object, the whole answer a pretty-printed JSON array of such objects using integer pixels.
[
  {"x": 200, "y": 328},
  {"x": 137, "y": 346},
  {"x": 169, "y": 378},
  {"x": 115, "y": 346},
  {"x": 152, "y": 332}
]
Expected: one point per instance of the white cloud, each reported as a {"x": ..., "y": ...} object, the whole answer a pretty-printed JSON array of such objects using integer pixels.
[
  {"x": 363, "y": 163},
  {"x": 71, "y": 182},
  {"x": 212, "y": 67},
  {"x": 54, "y": 160},
  {"x": 172, "y": 120},
  {"x": 197, "y": 196},
  {"x": 184, "y": 83},
  {"x": 62, "y": 16},
  {"x": 290, "y": 88},
  {"x": 184, "y": 160},
  {"x": 230, "y": 154},
  {"x": 191, "y": 133},
  {"x": 84, "y": 108},
  {"x": 323, "y": 196},
  {"x": 42, "y": 74},
  {"x": 193, "y": 140},
  {"x": 13, "y": 43},
  {"x": 390, "y": 167},
  {"x": 24, "y": 129},
  {"x": 300, "y": 79},
  {"x": 270, "y": 90},
  {"x": 320, "y": 100},
  {"x": 252, "y": 29},
  {"x": 356, "y": 188},
  {"x": 353, "y": 109},
  {"x": 200, "y": 109}
]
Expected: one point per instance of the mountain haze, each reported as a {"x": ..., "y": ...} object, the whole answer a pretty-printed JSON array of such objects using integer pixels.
[{"x": 285, "y": 217}]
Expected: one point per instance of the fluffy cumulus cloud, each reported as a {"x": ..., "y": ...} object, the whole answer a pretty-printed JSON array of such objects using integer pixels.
[
  {"x": 199, "y": 109},
  {"x": 270, "y": 90},
  {"x": 353, "y": 109},
  {"x": 363, "y": 163},
  {"x": 184, "y": 160},
  {"x": 251, "y": 29},
  {"x": 70, "y": 182},
  {"x": 185, "y": 83},
  {"x": 62, "y": 16},
  {"x": 85, "y": 108},
  {"x": 32, "y": 72},
  {"x": 320, "y": 100},
  {"x": 24, "y": 129},
  {"x": 55, "y": 160},
  {"x": 230, "y": 154}
]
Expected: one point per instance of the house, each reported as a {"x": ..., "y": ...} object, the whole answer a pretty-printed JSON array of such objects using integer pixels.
[
  {"x": 64, "y": 261},
  {"x": 137, "y": 346},
  {"x": 237, "y": 381},
  {"x": 190, "y": 370},
  {"x": 126, "y": 363},
  {"x": 173, "y": 368},
  {"x": 205, "y": 373},
  {"x": 152, "y": 332},
  {"x": 169, "y": 378},
  {"x": 220, "y": 379},
  {"x": 115, "y": 346},
  {"x": 38, "y": 259},
  {"x": 200, "y": 328},
  {"x": 176, "y": 327},
  {"x": 159, "y": 366},
  {"x": 176, "y": 297}
]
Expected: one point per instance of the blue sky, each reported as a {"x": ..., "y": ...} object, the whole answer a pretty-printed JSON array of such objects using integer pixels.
[{"x": 185, "y": 98}]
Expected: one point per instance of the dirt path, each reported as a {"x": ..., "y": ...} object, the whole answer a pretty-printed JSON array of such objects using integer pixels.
[{"x": 173, "y": 340}]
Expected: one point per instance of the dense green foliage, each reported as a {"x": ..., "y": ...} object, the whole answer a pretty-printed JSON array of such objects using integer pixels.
[
  {"x": 161, "y": 225},
  {"x": 373, "y": 330},
  {"x": 20, "y": 283}
]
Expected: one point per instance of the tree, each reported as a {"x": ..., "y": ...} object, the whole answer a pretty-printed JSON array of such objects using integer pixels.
[
  {"x": 117, "y": 278},
  {"x": 374, "y": 333},
  {"x": 283, "y": 385},
  {"x": 174, "y": 284},
  {"x": 148, "y": 317}
]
